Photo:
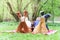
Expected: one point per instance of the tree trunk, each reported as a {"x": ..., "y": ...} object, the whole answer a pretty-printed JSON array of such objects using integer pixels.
[
  {"x": 12, "y": 12},
  {"x": 35, "y": 9}
]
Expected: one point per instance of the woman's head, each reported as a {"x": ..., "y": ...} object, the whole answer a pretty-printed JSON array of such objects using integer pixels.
[{"x": 25, "y": 13}]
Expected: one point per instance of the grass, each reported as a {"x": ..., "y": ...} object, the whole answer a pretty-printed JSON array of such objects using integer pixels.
[{"x": 29, "y": 36}]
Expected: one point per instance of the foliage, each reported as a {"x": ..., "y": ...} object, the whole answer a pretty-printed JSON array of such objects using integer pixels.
[{"x": 32, "y": 6}]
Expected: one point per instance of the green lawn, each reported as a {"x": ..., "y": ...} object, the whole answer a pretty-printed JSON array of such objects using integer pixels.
[{"x": 29, "y": 36}]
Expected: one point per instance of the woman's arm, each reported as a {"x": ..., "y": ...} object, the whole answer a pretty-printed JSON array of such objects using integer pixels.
[{"x": 19, "y": 14}]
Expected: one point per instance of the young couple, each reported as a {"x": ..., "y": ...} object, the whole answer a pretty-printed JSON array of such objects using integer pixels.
[{"x": 39, "y": 26}]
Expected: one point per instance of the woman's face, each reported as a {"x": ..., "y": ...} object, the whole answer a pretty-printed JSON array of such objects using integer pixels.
[{"x": 25, "y": 14}]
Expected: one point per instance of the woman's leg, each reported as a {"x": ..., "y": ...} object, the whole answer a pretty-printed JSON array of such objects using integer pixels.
[
  {"x": 47, "y": 27},
  {"x": 19, "y": 29},
  {"x": 25, "y": 27}
]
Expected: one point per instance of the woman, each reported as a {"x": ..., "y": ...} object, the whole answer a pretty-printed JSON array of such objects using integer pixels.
[{"x": 25, "y": 24}]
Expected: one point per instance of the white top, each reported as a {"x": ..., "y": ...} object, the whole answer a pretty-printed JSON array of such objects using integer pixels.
[
  {"x": 23, "y": 19},
  {"x": 26, "y": 20}
]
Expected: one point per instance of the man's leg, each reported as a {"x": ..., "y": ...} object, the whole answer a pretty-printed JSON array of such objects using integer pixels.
[{"x": 47, "y": 27}]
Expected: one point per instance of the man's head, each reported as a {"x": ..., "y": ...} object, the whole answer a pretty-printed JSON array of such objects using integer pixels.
[{"x": 47, "y": 15}]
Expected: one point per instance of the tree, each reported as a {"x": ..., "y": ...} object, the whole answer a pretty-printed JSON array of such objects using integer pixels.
[
  {"x": 37, "y": 7},
  {"x": 19, "y": 7},
  {"x": 12, "y": 12}
]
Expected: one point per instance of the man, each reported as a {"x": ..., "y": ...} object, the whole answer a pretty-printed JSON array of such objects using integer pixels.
[
  {"x": 40, "y": 22},
  {"x": 47, "y": 16},
  {"x": 38, "y": 19}
]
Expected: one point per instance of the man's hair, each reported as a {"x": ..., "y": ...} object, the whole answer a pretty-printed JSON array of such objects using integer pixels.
[
  {"x": 47, "y": 15},
  {"x": 42, "y": 13}
]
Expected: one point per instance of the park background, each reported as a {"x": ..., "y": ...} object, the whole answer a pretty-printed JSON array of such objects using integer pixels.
[{"x": 9, "y": 20}]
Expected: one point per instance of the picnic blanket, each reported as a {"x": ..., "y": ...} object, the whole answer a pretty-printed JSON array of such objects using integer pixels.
[{"x": 51, "y": 32}]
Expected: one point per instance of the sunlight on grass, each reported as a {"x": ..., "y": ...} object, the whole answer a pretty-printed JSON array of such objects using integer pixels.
[{"x": 28, "y": 36}]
